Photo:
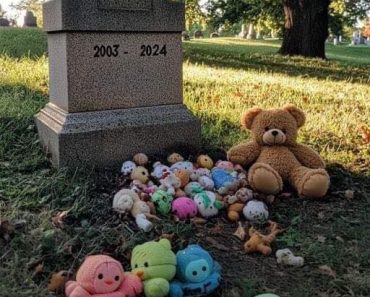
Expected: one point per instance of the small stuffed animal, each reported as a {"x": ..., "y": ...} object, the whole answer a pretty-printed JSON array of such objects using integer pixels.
[
  {"x": 267, "y": 295},
  {"x": 226, "y": 165},
  {"x": 261, "y": 243},
  {"x": 197, "y": 273},
  {"x": 174, "y": 158},
  {"x": 155, "y": 263},
  {"x": 208, "y": 205},
  {"x": 256, "y": 211},
  {"x": 193, "y": 188},
  {"x": 124, "y": 200},
  {"x": 141, "y": 174},
  {"x": 224, "y": 181},
  {"x": 184, "y": 208},
  {"x": 183, "y": 165},
  {"x": 184, "y": 177},
  {"x": 286, "y": 257},
  {"x": 205, "y": 161},
  {"x": 162, "y": 201},
  {"x": 128, "y": 167},
  {"x": 206, "y": 182},
  {"x": 242, "y": 195},
  {"x": 141, "y": 159},
  {"x": 160, "y": 170},
  {"x": 234, "y": 211},
  {"x": 170, "y": 183},
  {"x": 275, "y": 156},
  {"x": 103, "y": 276},
  {"x": 141, "y": 212},
  {"x": 197, "y": 173}
]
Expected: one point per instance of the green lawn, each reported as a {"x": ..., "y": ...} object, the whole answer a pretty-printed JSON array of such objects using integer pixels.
[{"x": 222, "y": 78}]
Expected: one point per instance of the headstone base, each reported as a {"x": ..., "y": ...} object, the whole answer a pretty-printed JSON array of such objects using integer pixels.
[{"x": 104, "y": 139}]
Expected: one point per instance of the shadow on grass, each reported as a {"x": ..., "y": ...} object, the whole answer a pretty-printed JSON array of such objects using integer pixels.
[{"x": 224, "y": 56}]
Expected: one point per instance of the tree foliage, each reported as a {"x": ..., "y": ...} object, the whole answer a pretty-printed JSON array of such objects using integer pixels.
[
  {"x": 194, "y": 13},
  {"x": 2, "y": 11}
]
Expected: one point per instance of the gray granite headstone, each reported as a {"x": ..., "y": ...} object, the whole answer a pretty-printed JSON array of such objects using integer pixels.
[
  {"x": 115, "y": 81},
  {"x": 4, "y": 22},
  {"x": 30, "y": 20}
]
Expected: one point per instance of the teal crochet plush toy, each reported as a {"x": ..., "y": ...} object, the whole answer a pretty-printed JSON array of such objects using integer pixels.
[{"x": 155, "y": 263}]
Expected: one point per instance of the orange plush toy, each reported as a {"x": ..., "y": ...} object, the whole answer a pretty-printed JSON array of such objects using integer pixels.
[
  {"x": 102, "y": 276},
  {"x": 261, "y": 243}
]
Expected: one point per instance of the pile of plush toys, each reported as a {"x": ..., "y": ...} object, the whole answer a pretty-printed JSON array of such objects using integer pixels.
[{"x": 156, "y": 271}]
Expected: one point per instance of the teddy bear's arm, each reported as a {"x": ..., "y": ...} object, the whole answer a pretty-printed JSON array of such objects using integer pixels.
[
  {"x": 307, "y": 156},
  {"x": 244, "y": 154}
]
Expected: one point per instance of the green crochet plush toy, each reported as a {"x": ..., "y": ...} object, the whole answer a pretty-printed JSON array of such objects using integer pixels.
[{"x": 155, "y": 263}]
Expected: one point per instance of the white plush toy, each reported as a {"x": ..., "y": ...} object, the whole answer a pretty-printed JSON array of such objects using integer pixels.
[
  {"x": 193, "y": 188},
  {"x": 170, "y": 183},
  {"x": 208, "y": 205},
  {"x": 160, "y": 170},
  {"x": 286, "y": 257},
  {"x": 183, "y": 165},
  {"x": 128, "y": 167},
  {"x": 197, "y": 173},
  {"x": 206, "y": 182},
  {"x": 141, "y": 212},
  {"x": 124, "y": 200},
  {"x": 256, "y": 211}
]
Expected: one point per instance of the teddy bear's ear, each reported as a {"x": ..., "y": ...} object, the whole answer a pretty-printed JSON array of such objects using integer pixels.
[
  {"x": 248, "y": 117},
  {"x": 297, "y": 114}
]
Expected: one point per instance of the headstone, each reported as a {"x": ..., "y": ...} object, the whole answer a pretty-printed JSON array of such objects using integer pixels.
[
  {"x": 198, "y": 34},
  {"x": 4, "y": 22},
  {"x": 340, "y": 38},
  {"x": 185, "y": 36},
  {"x": 30, "y": 20},
  {"x": 368, "y": 40},
  {"x": 258, "y": 35},
  {"x": 214, "y": 35},
  {"x": 243, "y": 33},
  {"x": 115, "y": 82},
  {"x": 251, "y": 32},
  {"x": 335, "y": 41}
]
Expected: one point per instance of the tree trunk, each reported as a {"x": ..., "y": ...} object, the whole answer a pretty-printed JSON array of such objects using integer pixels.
[{"x": 306, "y": 27}]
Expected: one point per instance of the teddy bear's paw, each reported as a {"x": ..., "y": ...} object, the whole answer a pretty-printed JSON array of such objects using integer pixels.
[
  {"x": 263, "y": 178},
  {"x": 236, "y": 158},
  {"x": 315, "y": 184}
]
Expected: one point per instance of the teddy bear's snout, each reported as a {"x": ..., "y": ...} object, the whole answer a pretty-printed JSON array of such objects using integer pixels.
[{"x": 274, "y": 136}]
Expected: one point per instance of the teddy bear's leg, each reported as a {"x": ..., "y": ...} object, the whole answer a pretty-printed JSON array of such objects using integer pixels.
[
  {"x": 310, "y": 183},
  {"x": 263, "y": 178}
]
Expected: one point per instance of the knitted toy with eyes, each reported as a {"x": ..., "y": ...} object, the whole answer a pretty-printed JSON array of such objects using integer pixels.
[
  {"x": 155, "y": 263},
  {"x": 275, "y": 156},
  {"x": 102, "y": 276},
  {"x": 197, "y": 273}
]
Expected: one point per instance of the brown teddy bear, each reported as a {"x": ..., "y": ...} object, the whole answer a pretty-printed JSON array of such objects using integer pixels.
[{"x": 275, "y": 156}]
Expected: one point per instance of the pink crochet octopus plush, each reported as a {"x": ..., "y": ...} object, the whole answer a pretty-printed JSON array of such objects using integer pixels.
[{"x": 102, "y": 276}]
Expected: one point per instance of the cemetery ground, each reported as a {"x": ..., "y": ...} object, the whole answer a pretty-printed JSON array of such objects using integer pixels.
[{"x": 222, "y": 78}]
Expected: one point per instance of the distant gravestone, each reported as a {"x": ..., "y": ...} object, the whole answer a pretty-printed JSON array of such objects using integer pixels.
[
  {"x": 335, "y": 41},
  {"x": 4, "y": 22},
  {"x": 244, "y": 32},
  {"x": 214, "y": 35},
  {"x": 115, "y": 81},
  {"x": 30, "y": 20},
  {"x": 198, "y": 34},
  {"x": 185, "y": 36},
  {"x": 251, "y": 32},
  {"x": 340, "y": 38}
]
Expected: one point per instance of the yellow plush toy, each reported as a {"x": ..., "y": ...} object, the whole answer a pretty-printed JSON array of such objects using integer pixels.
[{"x": 275, "y": 156}]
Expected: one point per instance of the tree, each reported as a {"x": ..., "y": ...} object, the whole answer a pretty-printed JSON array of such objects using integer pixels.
[
  {"x": 2, "y": 12},
  {"x": 31, "y": 5},
  {"x": 306, "y": 21},
  {"x": 194, "y": 14}
]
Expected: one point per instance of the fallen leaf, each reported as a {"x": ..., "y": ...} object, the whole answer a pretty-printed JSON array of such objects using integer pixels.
[
  {"x": 321, "y": 238},
  {"x": 216, "y": 244},
  {"x": 349, "y": 194},
  {"x": 270, "y": 199},
  {"x": 240, "y": 232},
  {"x": 58, "y": 219},
  {"x": 321, "y": 215},
  {"x": 365, "y": 133},
  {"x": 327, "y": 270},
  {"x": 339, "y": 238},
  {"x": 6, "y": 229},
  {"x": 216, "y": 230},
  {"x": 285, "y": 195},
  {"x": 199, "y": 221},
  {"x": 58, "y": 280},
  {"x": 39, "y": 268},
  {"x": 167, "y": 236}
]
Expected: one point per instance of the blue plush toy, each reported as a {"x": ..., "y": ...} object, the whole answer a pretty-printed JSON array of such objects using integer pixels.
[
  {"x": 196, "y": 274},
  {"x": 224, "y": 181}
]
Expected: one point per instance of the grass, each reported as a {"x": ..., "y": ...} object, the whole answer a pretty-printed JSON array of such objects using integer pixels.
[{"x": 222, "y": 78}]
